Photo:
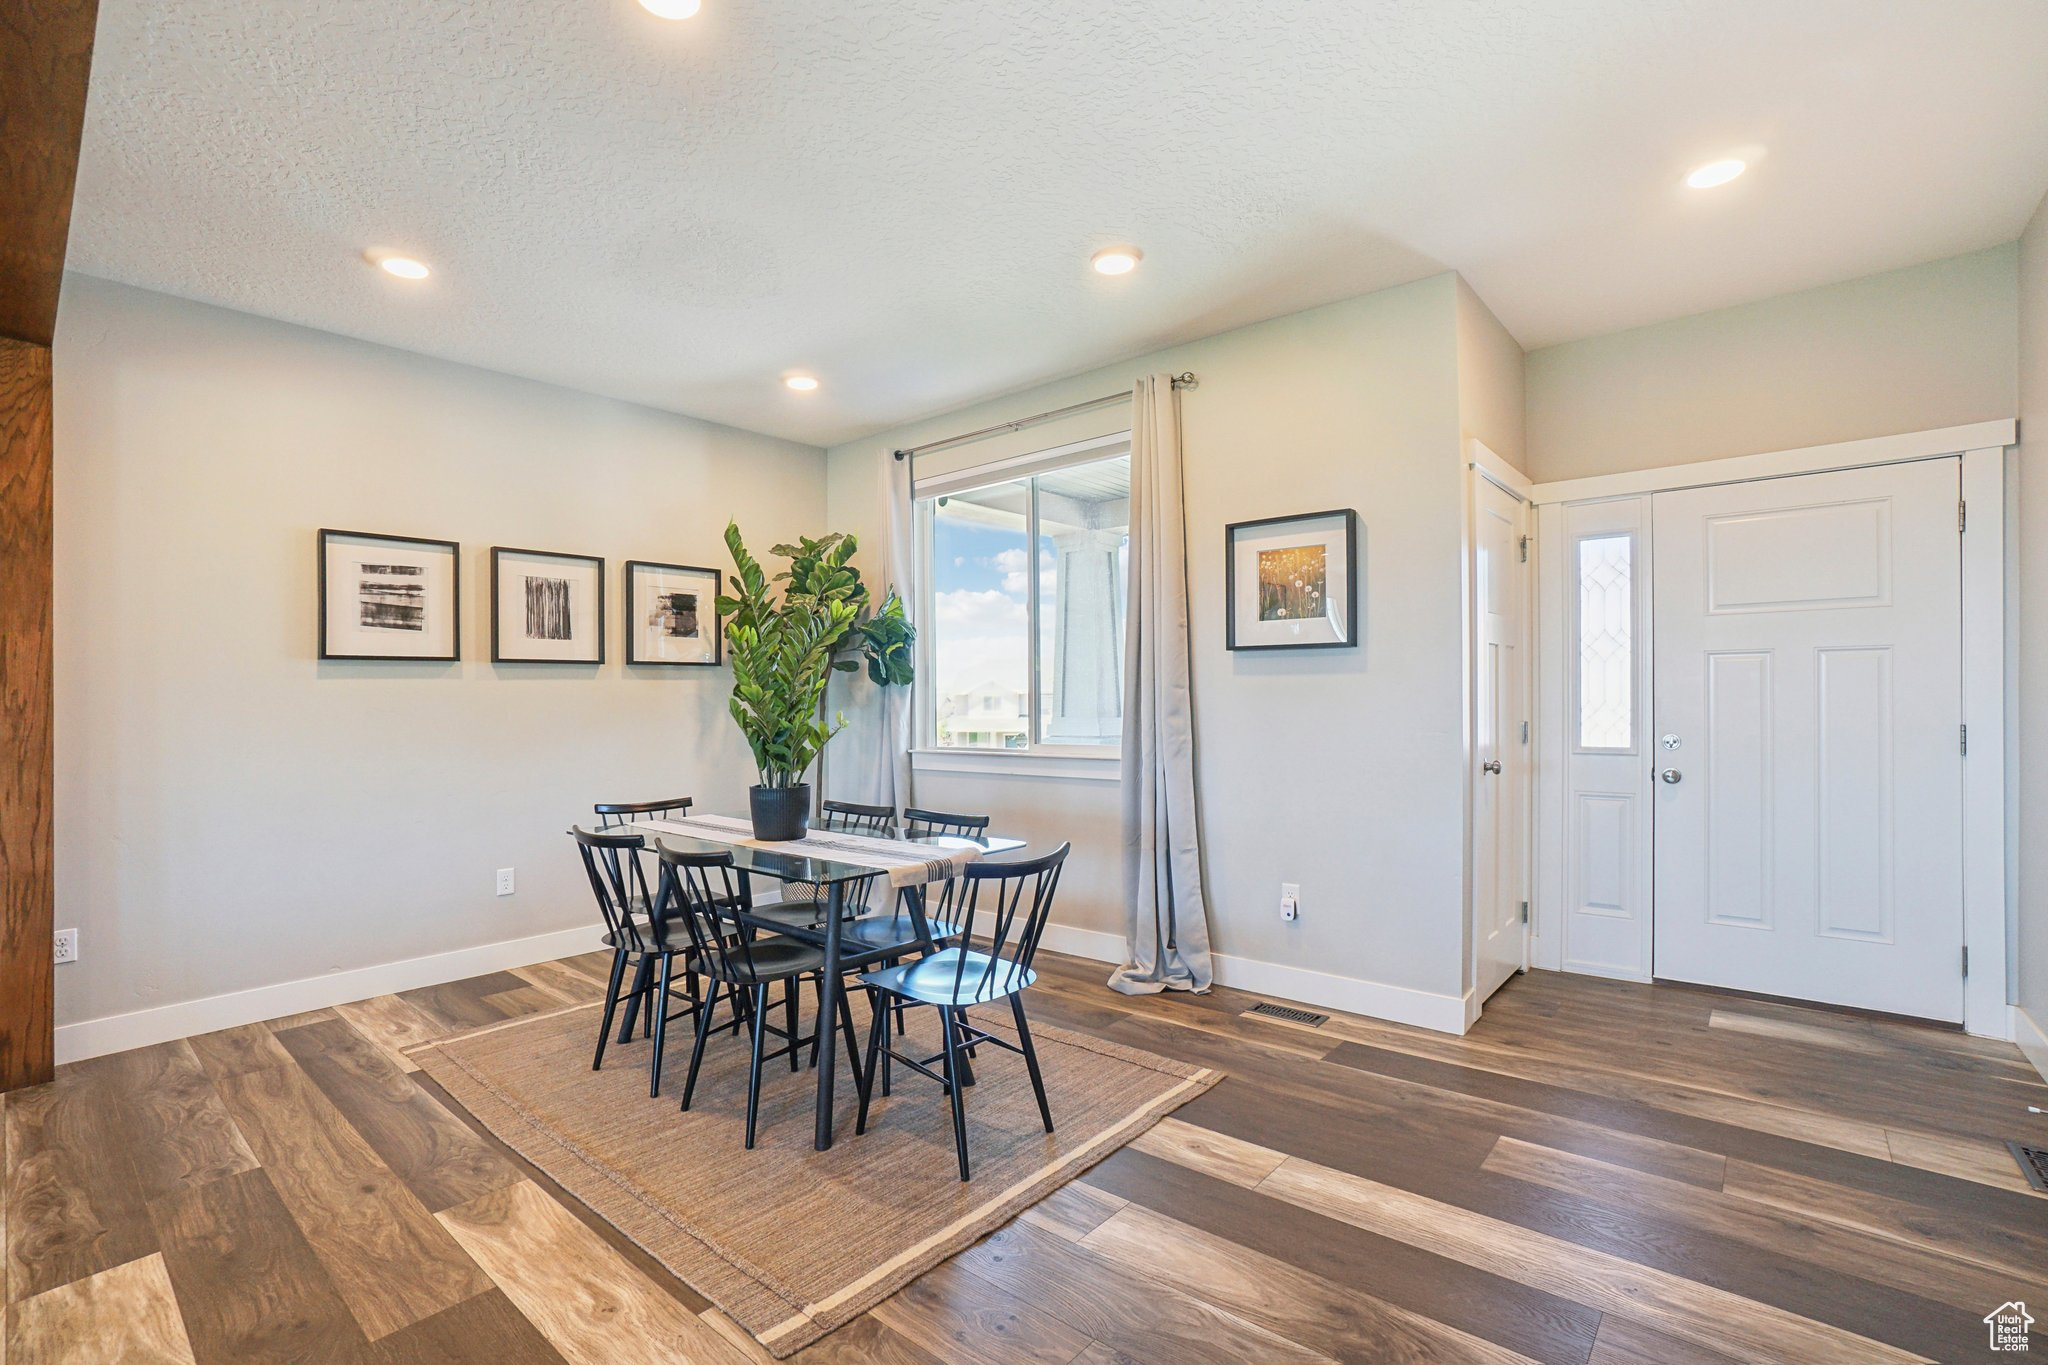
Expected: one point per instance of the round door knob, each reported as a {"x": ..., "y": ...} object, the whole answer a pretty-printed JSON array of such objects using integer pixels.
[
  {"x": 1492, "y": 765},
  {"x": 1672, "y": 776}
]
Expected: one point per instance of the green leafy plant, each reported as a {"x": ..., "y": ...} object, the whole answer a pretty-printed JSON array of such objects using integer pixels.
[{"x": 785, "y": 642}]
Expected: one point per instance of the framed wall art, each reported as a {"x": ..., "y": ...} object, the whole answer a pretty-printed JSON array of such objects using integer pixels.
[
  {"x": 1291, "y": 582},
  {"x": 389, "y": 597},
  {"x": 672, "y": 614},
  {"x": 546, "y": 608}
]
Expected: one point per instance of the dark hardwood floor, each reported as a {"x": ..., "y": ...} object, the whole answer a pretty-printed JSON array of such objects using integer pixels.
[{"x": 1599, "y": 1172}]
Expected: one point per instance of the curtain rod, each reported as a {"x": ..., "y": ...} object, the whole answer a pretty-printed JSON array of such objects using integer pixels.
[{"x": 1184, "y": 380}]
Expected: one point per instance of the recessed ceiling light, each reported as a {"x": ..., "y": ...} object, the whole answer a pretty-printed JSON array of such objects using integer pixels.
[
  {"x": 671, "y": 9},
  {"x": 405, "y": 267},
  {"x": 1716, "y": 173},
  {"x": 1117, "y": 260},
  {"x": 802, "y": 383}
]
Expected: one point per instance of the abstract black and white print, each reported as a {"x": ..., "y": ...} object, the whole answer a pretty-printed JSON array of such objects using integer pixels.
[
  {"x": 392, "y": 596},
  {"x": 675, "y": 616},
  {"x": 547, "y": 609}
]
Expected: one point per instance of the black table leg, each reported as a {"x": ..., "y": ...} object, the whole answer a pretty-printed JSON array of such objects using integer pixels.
[
  {"x": 642, "y": 981},
  {"x": 828, "y": 1007}
]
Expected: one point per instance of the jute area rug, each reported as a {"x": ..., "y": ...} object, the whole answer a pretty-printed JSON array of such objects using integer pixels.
[{"x": 792, "y": 1242}]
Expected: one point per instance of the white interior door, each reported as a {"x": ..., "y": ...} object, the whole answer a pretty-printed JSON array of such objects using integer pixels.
[
  {"x": 1500, "y": 738},
  {"x": 1806, "y": 737}
]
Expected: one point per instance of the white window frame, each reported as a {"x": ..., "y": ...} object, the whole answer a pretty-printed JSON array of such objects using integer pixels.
[{"x": 1092, "y": 761}]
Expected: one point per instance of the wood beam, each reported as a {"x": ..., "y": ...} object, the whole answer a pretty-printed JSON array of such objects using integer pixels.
[
  {"x": 45, "y": 54},
  {"x": 27, "y": 885},
  {"x": 45, "y": 59}
]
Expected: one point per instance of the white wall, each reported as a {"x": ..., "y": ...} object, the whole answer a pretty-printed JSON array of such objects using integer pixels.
[
  {"x": 1337, "y": 769},
  {"x": 1910, "y": 350},
  {"x": 2030, "y": 641},
  {"x": 232, "y": 813},
  {"x": 1492, "y": 397}
]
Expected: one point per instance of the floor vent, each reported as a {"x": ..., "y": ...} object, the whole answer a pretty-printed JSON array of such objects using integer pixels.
[
  {"x": 1290, "y": 1014},
  {"x": 2033, "y": 1163}
]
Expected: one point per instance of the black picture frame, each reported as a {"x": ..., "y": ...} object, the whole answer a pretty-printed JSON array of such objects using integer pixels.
[
  {"x": 321, "y": 544},
  {"x": 498, "y": 655},
  {"x": 1349, "y": 639},
  {"x": 632, "y": 628}
]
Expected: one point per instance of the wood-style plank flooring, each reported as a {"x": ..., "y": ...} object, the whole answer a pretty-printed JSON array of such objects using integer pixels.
[{"x": 1600, "y": 1172}]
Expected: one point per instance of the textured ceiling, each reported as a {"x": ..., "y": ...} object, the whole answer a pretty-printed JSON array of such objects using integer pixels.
[{"x": 901, "y": 197}]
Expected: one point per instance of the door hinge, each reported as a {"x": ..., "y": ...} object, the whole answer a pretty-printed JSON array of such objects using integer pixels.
[
  {"x": 1963, "y": 739},
  {"x": 1962, "y": 516},
  {"x": 1525, "y": 732},
  {"x": 1525, "y": 912},
  {"x": 1525, "y": 549},
  {"x": 1966, "y": 960}
]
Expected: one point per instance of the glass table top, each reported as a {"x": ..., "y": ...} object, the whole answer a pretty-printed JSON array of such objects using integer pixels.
[{"x": 822, "y": 870}]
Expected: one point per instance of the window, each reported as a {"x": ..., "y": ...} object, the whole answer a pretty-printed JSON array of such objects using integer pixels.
[
  {"x": 1022, "y": 633},
  {"x": 1606, "y": 642}
]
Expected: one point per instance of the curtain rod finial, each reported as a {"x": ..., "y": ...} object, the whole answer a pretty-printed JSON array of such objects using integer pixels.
[
  {"x": 902, "y": 454},
  {"x": 1186, "y": 380}
]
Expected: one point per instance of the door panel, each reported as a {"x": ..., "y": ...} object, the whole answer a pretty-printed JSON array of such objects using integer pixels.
[
  {"x": 1601, "y": 741},
  {"x": 1738, "y": 782},
  {"x": 1808, "y": 671},
  {"x": 1499, "y": 754}
]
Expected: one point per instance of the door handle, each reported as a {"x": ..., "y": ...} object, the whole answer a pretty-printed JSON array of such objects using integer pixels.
[
  {"x": 1672, "y": 776},
  {"x": 1492, "y": 765}
]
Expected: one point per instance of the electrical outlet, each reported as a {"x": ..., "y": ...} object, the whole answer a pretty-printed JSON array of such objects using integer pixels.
[
  {"x": 1290, "y": 900},
  {"x": 67, "y": 945},
  {"x": 504, "y": 881}
]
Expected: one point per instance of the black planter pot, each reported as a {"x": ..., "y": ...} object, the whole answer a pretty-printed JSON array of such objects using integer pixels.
[{"x": 780, "y": 812}]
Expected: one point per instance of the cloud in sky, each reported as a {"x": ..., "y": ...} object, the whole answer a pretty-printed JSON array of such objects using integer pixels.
[{"x": 981, "y": 638}]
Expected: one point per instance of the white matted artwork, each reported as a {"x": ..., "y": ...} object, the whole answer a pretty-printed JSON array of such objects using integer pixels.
[
  {"x": 546, "y": 608},
  {"x": 1292, "y": 582},
  {"x": 672, "y": 614},
  {"x": 389, "y": 597}
]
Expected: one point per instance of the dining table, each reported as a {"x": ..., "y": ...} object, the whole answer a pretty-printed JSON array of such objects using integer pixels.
[{"x": 834, "y": 862}]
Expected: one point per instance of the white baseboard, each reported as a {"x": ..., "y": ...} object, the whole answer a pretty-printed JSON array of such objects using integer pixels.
[
  {"x": 1399, "y": 1004},
  {"x": 1062, "y": 938},
  {"x": 120, "y": 1032},
  {"x": 2032, "y": 1039}
]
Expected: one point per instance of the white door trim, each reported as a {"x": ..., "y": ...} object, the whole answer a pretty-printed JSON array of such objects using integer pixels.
[
  {"x": 1987, "y": 914},
  {"x": 1492, "y": 467},
  {"x": 1482, "y": 463},
  {"x": 1911, "y": 445}
]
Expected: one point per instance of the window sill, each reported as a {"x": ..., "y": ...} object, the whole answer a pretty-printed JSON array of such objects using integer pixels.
[{"x": 1020, "y": 763}]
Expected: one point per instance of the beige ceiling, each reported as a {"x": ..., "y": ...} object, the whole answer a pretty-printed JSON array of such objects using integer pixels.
[{"x": 901, "y": 197}]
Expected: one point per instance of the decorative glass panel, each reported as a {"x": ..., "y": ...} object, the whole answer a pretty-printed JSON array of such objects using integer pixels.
[{"x": 1606, "y": 643}]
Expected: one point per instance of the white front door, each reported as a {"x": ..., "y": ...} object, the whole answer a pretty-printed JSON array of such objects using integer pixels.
[
  {"x": 1806, "y": 735},
  {"x": 1499, "y": 739}
]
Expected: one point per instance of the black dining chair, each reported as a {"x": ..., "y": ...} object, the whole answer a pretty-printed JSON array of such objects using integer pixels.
[
  {"x": 703, "y": 894},
  {"x": 900, "y": 929},
  {"x": 615, "y": 863},
  {"x": 1014, "y": 900},
  {"x": 611, "y": 814},
  {"x": 853, "y": 818}
]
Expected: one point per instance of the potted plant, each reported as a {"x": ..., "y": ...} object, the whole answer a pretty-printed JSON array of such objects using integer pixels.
[{"x": 784, "y": 648}]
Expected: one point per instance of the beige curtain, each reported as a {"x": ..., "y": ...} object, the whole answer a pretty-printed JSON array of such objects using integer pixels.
[
  {"x": 1167, "y": 930},
  {"x": 889, "y": 779}
]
